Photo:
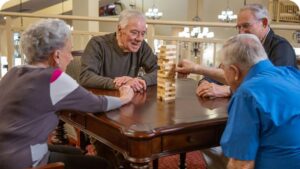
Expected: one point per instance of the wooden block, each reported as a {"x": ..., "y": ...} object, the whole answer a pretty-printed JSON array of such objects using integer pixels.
[
  {"x": 166, "y": 62},
  {"x": 167, "y": 99},
  {"x": 167, "y": 94},
  {"x": 166, "y": 56},
  {"x": 167, "y": 53},
  {"x": 166, "y": 89},
  {"x": 167, "y": 67},
  {"x": 166, "y": 75},
  {"x": 168, "y": 47},
  {"x": 166, "y": 81},
  {"x": 162, "y": 88}
]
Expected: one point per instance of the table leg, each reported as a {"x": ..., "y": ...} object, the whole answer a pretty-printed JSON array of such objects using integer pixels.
[
  {"x": 155, "y": 164},
  {"x": 116, "y": 159},
  {"x": 182, "y": 164}
]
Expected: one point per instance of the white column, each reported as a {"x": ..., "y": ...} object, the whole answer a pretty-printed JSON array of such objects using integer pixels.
[{"x": 84, "y": 8}]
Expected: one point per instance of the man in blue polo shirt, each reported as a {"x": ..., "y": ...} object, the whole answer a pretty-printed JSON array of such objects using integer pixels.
[{"x": 262, "y": 130}]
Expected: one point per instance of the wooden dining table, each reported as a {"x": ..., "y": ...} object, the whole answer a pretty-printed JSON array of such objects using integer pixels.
[{"x": 147, "y": 128}]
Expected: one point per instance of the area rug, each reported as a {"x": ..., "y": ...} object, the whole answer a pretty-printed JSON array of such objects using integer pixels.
[{"x": 194, "y": 160}]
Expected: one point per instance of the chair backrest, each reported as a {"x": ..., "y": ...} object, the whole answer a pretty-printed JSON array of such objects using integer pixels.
[
  {"x": 74, "y": 68},
  {"x": 56, "y": 165}
]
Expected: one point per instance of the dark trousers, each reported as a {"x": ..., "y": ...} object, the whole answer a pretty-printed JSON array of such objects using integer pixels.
[{"x": 74, "y": 159}]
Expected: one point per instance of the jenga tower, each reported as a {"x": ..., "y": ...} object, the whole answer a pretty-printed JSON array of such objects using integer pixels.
[{"x": 166, "y": 89}]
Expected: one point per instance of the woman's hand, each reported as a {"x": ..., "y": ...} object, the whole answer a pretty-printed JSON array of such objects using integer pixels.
[{"x": 126, "y": 94}]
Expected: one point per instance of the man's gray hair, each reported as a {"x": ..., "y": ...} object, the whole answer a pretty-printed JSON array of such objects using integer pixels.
[
  {"x": 41, "y": 39},
  {"x": 258, "y": 10},
  {"x": 126, "y": 15},
  {"x": 244, "y": 50}
]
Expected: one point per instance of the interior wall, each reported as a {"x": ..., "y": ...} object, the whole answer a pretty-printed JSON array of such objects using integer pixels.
[
  {"x": 89, "y": 8},
  {"x": 177, "y": 12}
]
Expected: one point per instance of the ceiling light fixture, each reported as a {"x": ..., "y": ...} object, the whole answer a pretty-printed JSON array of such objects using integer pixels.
[
  {"x": 196, "y": 33},
  {"x": 227, "y": 15},
  {"x": 197, "y": 17},
  {"x": 297, "y": 2},
  {"x": 2, "y": 2},
  {"x": 153, "y": 13}
]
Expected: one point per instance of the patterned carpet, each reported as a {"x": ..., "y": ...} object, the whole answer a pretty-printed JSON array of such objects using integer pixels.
[{"x": 194, "y": 160}]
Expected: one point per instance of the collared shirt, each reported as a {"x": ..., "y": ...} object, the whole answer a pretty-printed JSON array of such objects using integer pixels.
[
  {"x": 264, "y": 118},
  {"x": 264, "y": 38}
]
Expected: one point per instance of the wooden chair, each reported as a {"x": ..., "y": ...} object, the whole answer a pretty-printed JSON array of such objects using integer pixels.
[
  {"x": 73, "y": 70},
  {"x": 56, "y": 165},
  {"x": 68, "y": 136},
  {"x": 74, "y": 67}
]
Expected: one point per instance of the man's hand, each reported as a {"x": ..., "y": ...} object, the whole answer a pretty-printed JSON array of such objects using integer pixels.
[
  {"x": 119, "y": 81},
  {"x": 138, "y": 85},
  {"x": 207, "y": 89},
  {"x": 186, "y": 67}
]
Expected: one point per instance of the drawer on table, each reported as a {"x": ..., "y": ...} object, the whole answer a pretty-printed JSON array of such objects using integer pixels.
[
  {"x": 202, "y": 139},
  {"x": 74, "y": 117}
]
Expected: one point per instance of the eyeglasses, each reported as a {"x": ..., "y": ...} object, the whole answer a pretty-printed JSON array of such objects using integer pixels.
[
  {"x": 246, "y": 25},
  {"x": 136, "y": 33}
]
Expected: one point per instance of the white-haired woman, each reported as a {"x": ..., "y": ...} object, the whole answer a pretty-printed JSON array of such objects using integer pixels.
[{"x": 31, "y": 94}]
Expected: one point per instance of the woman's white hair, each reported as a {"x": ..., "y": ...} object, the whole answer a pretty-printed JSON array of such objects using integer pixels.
[
  {"x": 244, "y": 50},
  {"x": 41, "y": 39},
  {"x": 126, "y": 15}
]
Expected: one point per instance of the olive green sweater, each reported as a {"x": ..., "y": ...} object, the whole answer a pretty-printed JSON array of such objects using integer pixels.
[{"x": 103, "y": 60}]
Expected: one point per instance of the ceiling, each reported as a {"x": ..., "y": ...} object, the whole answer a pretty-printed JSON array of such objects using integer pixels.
[
  {"x": 31, "y": 6},
  {"x": 56, "y": 7}
]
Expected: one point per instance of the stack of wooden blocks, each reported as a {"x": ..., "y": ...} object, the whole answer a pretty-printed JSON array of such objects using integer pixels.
[{"x": 166, "y": 89}]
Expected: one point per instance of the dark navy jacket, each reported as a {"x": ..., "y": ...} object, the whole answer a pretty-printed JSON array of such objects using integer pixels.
[{"x": 279, "y": 51}]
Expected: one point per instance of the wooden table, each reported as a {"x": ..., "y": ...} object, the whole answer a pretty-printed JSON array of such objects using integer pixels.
[{"x": 148, "y": 129}]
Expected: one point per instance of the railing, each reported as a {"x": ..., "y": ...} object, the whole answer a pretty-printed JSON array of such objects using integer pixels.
[{"x": 184, "y": 44}]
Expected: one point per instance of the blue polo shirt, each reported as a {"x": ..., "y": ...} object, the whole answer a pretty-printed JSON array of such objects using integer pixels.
[{"x": 264, "y": 118}]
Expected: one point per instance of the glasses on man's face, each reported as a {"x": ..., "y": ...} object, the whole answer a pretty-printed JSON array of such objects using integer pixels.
[
  {"x": 246, "y": 25},
  {"x": 136, "y": 33}
]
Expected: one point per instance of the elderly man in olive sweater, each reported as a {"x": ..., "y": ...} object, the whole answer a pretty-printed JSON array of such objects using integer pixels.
[{"x": 115, "y": 59}]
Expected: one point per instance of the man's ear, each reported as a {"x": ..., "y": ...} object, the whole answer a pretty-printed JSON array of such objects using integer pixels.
[
  {"x": 119, "y": 29},
  {"x": 265, "y": 22},
  {"x": 236, "y": 71}
]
